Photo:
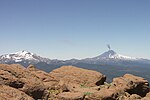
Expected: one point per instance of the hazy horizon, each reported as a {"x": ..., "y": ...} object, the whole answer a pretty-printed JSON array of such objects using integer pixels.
[{"x": 64, "y": 29}]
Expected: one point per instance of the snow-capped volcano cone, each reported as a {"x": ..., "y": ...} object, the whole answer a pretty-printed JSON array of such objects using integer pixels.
[{"x": 108, "y": 54}]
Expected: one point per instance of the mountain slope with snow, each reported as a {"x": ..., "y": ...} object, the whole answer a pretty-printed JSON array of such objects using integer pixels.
[
  {"x": 22, "y": 56},
  {"x": 112, "y": 55},
  {"x": 109, "y": 57}
]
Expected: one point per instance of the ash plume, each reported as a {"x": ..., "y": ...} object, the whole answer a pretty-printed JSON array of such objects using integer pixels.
[{"x": 108, "y": 46}]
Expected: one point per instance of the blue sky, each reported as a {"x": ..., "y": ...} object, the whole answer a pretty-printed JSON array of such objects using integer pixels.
[{"x": 67, "y": 29}]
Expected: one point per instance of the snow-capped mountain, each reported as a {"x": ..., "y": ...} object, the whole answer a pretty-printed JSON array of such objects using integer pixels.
[
  {"x": 109, "y": 57},
  {"x": 22, "y": 56},
  {"x": 113, "y": 55}
]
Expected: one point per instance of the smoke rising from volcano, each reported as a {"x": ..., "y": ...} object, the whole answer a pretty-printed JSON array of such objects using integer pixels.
[{"x": 108, "y": 46}]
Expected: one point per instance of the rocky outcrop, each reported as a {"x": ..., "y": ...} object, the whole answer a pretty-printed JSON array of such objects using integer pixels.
[
  {"x": 128, "y": 87},
  {"x": 132, "y": 84},
  {"x": 68, "y": 83},
  {"x": 18, "y": 77},
  {"x": 76, "y": 75},
  {"x": 48, "y": 81},
  {"x": 9, "y": 93}
]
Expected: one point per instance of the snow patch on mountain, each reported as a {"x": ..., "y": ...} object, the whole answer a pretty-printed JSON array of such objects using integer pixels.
[{"x": 24, "y": 54}]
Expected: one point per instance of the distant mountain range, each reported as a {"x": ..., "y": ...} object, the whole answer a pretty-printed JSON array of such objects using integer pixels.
[
  {"x": 109, "y": 57},
  {"x": 109, "y": 63}
]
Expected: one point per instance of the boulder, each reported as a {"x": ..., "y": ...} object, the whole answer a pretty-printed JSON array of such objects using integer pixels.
[
  {"x": 132, "y": 84},
  {"x": 9, "y": 93},
  {"x": 128, "y": 87},
  {"x": 18, "y": 77},
  {"x": 48, "y": 81},
  {"x": 79, "y": 76}
]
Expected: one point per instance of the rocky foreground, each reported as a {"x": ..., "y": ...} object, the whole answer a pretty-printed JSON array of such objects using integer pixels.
[{"x": 68, "y": 83}]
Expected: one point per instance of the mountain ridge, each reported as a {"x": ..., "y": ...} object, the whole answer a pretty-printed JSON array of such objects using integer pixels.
[{"x": 109, "y": 57}]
